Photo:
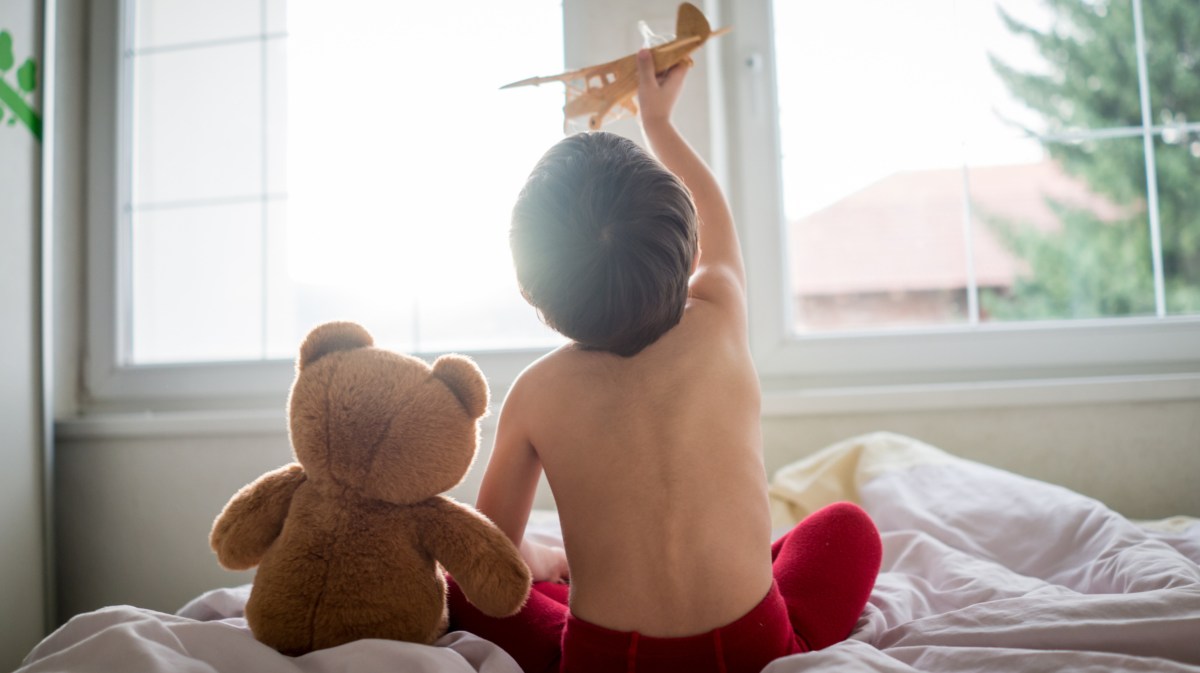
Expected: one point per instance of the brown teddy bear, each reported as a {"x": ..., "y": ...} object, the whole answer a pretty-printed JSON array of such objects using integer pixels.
[{"x": 349, "y": 538}]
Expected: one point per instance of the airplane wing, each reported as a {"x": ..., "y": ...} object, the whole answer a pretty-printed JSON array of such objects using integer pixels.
[{"x": 604, "y": 92}]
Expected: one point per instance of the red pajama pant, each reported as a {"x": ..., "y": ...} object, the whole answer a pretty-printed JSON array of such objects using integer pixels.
[{"x": 824, "y": 571}]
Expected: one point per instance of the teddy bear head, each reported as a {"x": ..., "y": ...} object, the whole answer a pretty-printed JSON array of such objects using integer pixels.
[{"x": 380, "y": 425}]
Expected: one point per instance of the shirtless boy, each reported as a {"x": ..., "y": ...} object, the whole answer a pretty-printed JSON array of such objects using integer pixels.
[{"x": 647, "y": 426}]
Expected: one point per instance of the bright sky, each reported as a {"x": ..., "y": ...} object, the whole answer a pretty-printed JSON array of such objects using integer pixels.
[
  {"x": 400, "y": 139},
  {"x": 872, "y": 87},
  {"x": 404, "y": 156}
]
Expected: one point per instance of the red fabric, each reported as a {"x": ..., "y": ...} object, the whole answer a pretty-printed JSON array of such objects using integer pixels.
[
  {"x": 747, "y": 644},
  {"x": 825, "y": 568},
  {"x": 824, "y": 571}
]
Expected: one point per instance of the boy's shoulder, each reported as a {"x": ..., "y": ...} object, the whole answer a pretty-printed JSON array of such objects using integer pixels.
[
  {"x": 549, "y": 381},
  {"x": 549, "y": 370},
  {"x": 571, "y": 370}
]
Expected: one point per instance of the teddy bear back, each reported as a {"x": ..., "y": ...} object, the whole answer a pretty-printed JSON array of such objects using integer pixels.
[{"x": 379, "y": 425}]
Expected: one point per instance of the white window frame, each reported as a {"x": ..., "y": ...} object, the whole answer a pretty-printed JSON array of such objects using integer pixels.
[
  {"x": 942, "y": 367},
  {"x": 952, "y": 358}
]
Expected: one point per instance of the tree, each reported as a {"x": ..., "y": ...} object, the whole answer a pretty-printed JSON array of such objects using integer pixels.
[{"x": 1090, "y": 266}]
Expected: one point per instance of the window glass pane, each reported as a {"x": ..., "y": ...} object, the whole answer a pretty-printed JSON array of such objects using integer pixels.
[
  {"x": 401, "y": 185},
  {"x": 1055, "y": 66},
  {"x": 1009, "y": 128},
  {"x": 998, "y": 122},
  {"x": 1065, "y": 237},
  {"x": 1173, "y": 65},
  {"x": 197, "y": 123},
  {"x": 872, "y": 162},
  {"x": 285, "y": 298},
  {"x": 275, "y": 99},
  {"x": 295, "y": 306},
  {"x": 410, "y": 159},
  {"x": 167, "y": 23},
  {"x": 276, "y": 16},
  {"x": 1173, "y": 60},
  {"x": 891, "y": 254},
  {"x": 1177, "y": 164},
  {"x": 196, "y": 285}
]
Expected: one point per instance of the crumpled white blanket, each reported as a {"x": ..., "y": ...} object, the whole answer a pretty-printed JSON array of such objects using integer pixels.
[{"x": 982, "y": 571}]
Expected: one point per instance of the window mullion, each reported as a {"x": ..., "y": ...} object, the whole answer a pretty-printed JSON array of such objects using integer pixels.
[
  {"x": 969, "y": 242},
  {"x": 1151, "y": 172},
  {"x": 264, "y": 224},
  {"x": 972, "y": 279},
  {"x": 123, "y": 277}
]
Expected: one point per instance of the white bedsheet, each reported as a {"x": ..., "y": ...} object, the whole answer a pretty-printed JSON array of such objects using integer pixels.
[
  {"x": 983, "y": 571},
  {"x": 129, "y": 639}
]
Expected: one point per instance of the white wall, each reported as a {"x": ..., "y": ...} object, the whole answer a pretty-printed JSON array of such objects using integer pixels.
[
  {"x": 136, "y": 512},
  {"x": 136, "y": 495},
  {"x": 21, "y": 523},
  {"x": 137, "y": 500},
  {"x": 1141, "y": 459}
]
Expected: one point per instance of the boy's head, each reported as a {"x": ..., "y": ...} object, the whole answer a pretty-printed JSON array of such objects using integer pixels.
[{"x": 604, "y": 238}]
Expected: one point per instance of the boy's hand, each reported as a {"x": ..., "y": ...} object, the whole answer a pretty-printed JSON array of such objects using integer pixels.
[
  {"x": 546, "y": 563},
  {"x": 657, "y": 93}
]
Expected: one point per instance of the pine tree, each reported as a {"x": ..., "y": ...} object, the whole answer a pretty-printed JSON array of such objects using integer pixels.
[{"x": 1089, "y": 266}]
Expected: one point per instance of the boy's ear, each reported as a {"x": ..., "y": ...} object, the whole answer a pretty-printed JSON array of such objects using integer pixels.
[
  {"x": 463, "y": 378},
  {"x": 330, "y": 337}
]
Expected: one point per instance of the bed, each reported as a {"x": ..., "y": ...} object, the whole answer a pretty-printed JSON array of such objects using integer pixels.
[{"x": 983, "y": 570}]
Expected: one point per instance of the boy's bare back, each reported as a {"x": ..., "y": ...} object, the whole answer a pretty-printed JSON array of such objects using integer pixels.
[
  {"x": 655, "y": 460},
  {"x": 656, "y": 469}
]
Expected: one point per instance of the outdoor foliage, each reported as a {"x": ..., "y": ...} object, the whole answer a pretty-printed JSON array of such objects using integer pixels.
[{"x": 1089, "y": 266}]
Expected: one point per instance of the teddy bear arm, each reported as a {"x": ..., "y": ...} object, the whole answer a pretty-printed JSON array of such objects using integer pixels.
[
  {"x": 483, "y": 561},
  {"x": 254, "y": 517}
]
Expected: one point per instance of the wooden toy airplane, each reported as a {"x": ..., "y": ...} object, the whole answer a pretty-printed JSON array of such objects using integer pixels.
[{"x": 603, "y": 92}]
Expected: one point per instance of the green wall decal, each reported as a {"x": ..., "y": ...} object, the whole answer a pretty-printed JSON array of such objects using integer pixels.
[{"x": 15, "y": 99}]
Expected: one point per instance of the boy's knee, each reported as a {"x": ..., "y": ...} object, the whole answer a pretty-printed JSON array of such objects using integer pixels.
[
  {"x": 847, "y": 514},
  {"x": 850, "y": 523}
]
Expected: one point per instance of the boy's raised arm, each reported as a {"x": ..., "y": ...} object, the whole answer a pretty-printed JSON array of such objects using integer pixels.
[{"x": 720, "y": 268}]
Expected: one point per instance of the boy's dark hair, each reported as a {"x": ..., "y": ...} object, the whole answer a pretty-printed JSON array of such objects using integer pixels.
[{"x": 603, "y": 238}]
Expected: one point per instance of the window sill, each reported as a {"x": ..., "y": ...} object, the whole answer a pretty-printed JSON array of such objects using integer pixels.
[
  {"x": 169, "y": 424},
  {"x": 981, "y": 395},
  {"x": 777, "y": 403}
]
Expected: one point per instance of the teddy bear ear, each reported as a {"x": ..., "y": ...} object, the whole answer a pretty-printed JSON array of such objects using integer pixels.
[
  {"x": 330, "y": 337},
  {"x": 463, "y": 378}
]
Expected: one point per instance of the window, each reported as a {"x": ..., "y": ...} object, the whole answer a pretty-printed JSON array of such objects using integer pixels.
[
  {"x": 219, "y": 201},
  {"x": 389, "y": 214},
  {"x": 207, "y": 190},
  {"x": 230, "y": 223},
  {"x": 1003, "y": 175},
  {"x": 967, "y": 191},
  {"x": 406, "y": 160}
]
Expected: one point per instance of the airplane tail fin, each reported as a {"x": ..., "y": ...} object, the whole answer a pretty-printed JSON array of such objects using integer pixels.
[{"x": 690, "y": 22}]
